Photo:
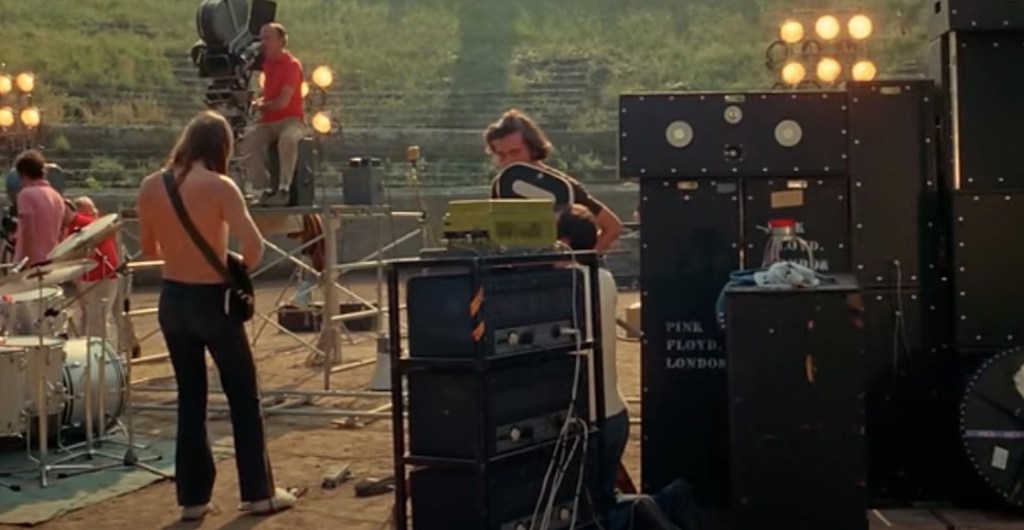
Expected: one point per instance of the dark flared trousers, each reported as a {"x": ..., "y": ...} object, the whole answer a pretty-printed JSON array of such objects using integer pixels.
[{"x": 193, "y": 321}]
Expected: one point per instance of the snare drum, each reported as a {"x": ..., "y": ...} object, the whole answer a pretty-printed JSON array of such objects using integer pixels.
[
  {"x": 25, "y": 313},
  {"x": 13, "y": 380},
  {"x": 115, "y": 380},
  {"x": 43, "y": 355}
]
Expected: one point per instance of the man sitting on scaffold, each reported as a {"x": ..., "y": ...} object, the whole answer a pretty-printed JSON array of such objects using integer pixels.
[{"x": 282, "y": 118}]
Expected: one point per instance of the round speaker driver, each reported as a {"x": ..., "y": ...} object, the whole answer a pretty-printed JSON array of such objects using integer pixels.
[
  {"x": 992, "y": 424},
  {"x": 679, "y": 134},
  {"x": 788, "y": 133},
  {"x": 733, "y": 114}
]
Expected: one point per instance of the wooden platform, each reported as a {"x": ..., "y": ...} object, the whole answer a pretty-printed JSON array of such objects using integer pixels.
[{"x": 943, "y": 519}]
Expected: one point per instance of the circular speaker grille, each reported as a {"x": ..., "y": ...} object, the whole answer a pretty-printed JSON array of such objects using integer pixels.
[
  {"x": 733, "y": 114},
  {"x": 788, "y": 133},
  {"x": 679, "y": 134},
  {"x": 992, "y": 424}
]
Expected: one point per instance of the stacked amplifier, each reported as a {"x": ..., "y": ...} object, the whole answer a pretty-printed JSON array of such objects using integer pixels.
[
  {"x": 714, "y": 169},
  {"x": 491, "y": 374},
  {"x": 975, "y": 52},
  {"x": 898, "y": 237},
  {"x": 855, "y": 170}
]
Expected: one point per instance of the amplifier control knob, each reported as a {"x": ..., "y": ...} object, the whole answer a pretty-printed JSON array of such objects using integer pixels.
[
  {"x": 521, "y": 526},
  {"x": 513, "y": 338},
  {"x": 515, "y": 434},
  {"x": 556, "y": 331},
  {"x": 565, "y": 514}
]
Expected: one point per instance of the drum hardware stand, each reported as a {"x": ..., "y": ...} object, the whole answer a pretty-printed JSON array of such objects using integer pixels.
[
  {"x": 42, "y": 465},
  {"x": 131, "y": 458},
  {"x": 93, "y": 439}
]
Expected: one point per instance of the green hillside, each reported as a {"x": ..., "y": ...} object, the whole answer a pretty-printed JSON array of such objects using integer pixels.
[{"x": 437, "y": 64}]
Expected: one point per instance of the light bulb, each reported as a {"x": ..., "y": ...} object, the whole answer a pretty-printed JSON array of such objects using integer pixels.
[
  {"x": 322, "y": 77},
  {"x": 864, "y": 71},
  {"x": 321, "y": 123},
  {"x": 30, "y": 117},
  {"x": 791, "y": 32},
  {"x": 793, "y": 73},
  {"x": 860, "y": 27},
  {"x": 827, "y": 27},
  {"x": 6, "y": 117},
  {"x": 26, "y": 82},
  {"x": 829, "y": 70}
]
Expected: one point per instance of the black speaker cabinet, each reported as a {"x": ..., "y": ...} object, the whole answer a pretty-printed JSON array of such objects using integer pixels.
[
  {"x": 974, "y": 15},
  {"x": 712, "y": 135},
  {"x": 519, "y": 311},
  {"x": 820, "y": 207},
  {"x": 363, "y": 182},
  {"x": 520, "y": 406},
  {"x": 893, "y": 141},
  {"x": 688, "y": 248},
  {"x": 796, "y": 380},
  {"x": 502, "y": 495},
  {"x": 988, "y": 261},
  {"x": 981, "y": 74},
  {"x": 303, "y": 189},
  {"x": 903, "y": 334}
]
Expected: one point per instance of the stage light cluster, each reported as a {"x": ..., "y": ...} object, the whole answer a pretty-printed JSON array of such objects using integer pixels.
[
  {"x": 820, "y": 51},
  {"x": 17, "y": 113}
]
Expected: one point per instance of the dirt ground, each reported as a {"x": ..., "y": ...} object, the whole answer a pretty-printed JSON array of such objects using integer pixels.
[{"x": 302, "y": 448}]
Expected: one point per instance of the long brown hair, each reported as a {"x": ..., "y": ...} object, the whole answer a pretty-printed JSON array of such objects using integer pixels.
[
  {"x": 515, "y": 121},
  {"x": 207, "y": 138}
]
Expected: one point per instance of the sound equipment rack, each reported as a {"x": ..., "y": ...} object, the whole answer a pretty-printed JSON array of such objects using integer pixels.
[{"x": 481, "y": 364}]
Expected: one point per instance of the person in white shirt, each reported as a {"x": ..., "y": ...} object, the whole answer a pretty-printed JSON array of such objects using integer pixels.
[
  {"x": 578, "y": 231},
  {"x": 673, "y": 506}
]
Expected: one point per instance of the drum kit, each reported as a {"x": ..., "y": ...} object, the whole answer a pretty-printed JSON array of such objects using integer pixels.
[{"x": 53, "y": 386}]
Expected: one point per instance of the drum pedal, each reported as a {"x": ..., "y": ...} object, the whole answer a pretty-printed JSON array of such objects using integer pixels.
[{"x": 335, "y": 478}]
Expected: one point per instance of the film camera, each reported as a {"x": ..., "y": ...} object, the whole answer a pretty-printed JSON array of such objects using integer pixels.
[{"x": 228, "y": 53}]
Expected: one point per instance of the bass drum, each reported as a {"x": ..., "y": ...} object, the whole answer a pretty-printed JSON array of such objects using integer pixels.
[{"x": 114, "y": 399}]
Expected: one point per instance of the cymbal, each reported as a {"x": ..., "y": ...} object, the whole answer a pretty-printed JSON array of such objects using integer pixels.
[
  {"x": 82, "y": 242},
  {"x": 44, "y": 275}
]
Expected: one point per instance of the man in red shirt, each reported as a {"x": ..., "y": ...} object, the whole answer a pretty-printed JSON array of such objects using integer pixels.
[
  {"x": 99, "y": 303},
  {"x": 282, "y": 118}
]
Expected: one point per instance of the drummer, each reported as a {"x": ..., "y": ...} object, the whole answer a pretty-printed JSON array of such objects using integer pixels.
[{"x": 99, "y": 286}]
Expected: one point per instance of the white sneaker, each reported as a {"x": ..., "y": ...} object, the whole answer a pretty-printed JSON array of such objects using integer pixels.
[
  {"x": 281, "y": 501},
  {"x": 194, "y": 513}
]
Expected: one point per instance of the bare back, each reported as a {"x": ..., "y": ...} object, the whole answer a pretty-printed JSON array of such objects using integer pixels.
[{"x": 216, "y": 207}]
